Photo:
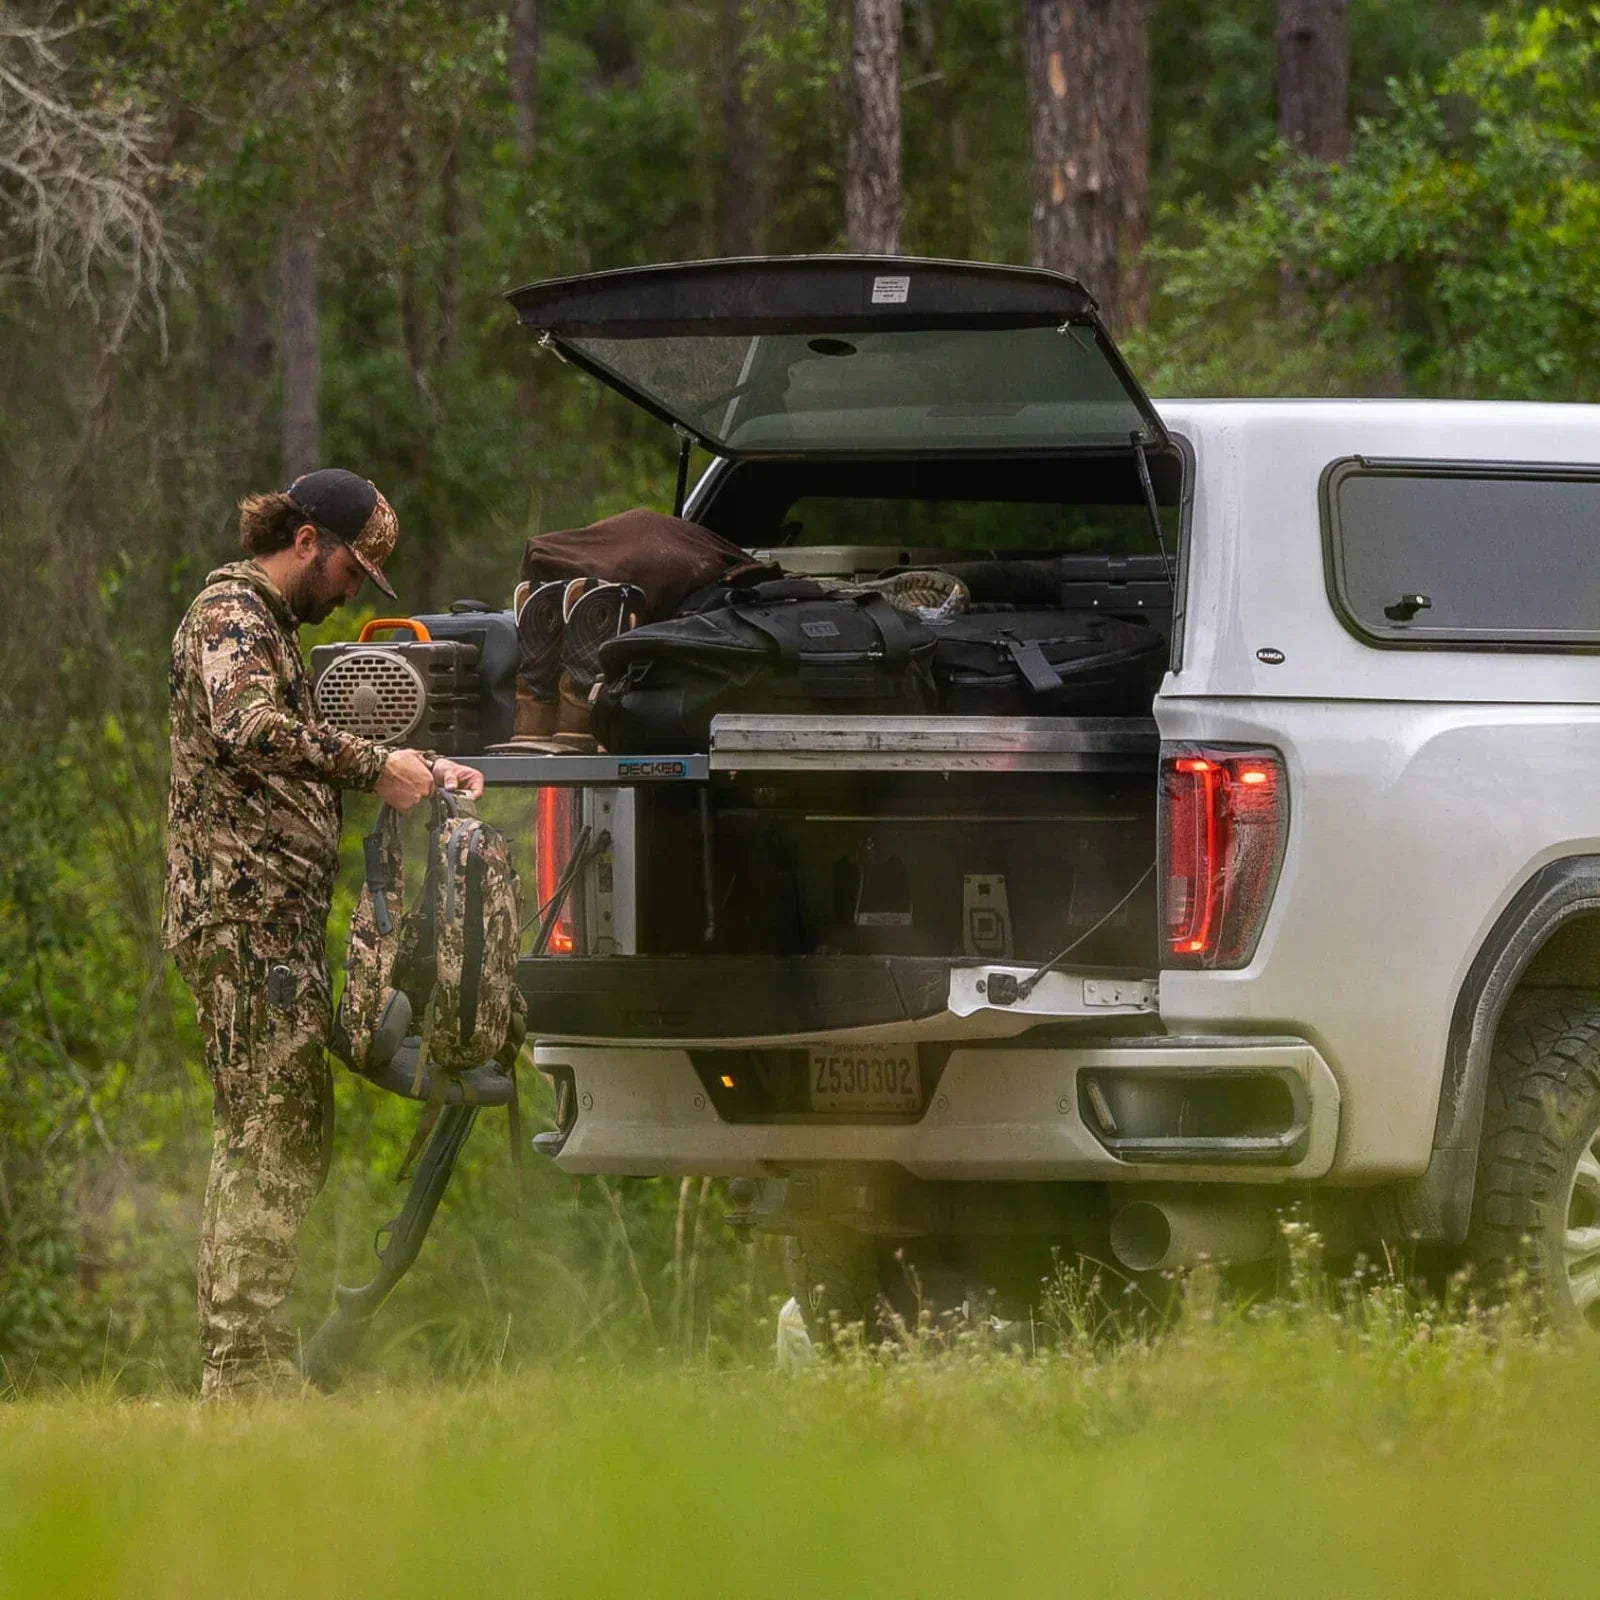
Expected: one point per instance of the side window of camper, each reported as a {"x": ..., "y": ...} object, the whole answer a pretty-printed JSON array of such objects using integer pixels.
[{"x": 1461, "y": 554}]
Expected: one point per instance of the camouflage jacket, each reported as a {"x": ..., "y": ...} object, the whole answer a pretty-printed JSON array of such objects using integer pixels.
[{"x": 253, "y": 814}]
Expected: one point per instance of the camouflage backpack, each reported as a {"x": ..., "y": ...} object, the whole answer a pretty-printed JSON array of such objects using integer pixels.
[
  {"x": 445, "y": 972},
  {"x": 374, "y": 1017}
]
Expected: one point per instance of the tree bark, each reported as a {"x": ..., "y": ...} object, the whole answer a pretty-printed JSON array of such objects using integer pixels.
[
  {"x": 418, "y": 346},
  {"x": 1088, "y": 65},
  {"x": 408, "y": 292},
  {"x": 301, "y": 351},
  {"x": 1313, "y": 59},
  {"x": 741, "y": 201},
  {"x": 244, "y": 378},
  {"x": 447, "y": 335},
  {"x": 524, "y": 48},
  {"x": 872, "y": 195}
]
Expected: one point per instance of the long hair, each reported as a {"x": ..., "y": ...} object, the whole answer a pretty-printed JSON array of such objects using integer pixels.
[{"x": 267, "y": 523}]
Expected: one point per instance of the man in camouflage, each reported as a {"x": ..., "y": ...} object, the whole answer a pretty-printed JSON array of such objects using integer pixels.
[{"x": 253, "y": 828}]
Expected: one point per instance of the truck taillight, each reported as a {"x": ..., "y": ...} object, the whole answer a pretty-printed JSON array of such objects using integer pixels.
[
  {"x": 555, "y": 814},
  {"x": 1224, "y": 814}
]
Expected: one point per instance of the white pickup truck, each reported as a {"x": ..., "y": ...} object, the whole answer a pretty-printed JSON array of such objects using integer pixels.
[{"x": 1323, "y": 926}]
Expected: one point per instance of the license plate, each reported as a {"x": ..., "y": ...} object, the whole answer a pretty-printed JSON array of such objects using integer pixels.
[{"x": 865, "y": 1077}]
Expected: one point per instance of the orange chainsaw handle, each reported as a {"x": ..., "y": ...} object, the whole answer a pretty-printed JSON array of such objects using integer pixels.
[{"x": 378, "y": 624}]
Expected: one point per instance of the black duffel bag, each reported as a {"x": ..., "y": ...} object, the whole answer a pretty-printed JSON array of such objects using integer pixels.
[
  {"x": 1045, "y": 664},
  {"x": 786, "y": 646}
]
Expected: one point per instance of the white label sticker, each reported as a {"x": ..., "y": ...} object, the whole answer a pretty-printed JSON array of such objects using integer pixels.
[{"x": 890, "y": 291}]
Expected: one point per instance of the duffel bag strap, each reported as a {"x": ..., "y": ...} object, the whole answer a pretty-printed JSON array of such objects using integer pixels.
[
  {"x": 783, "y": 639},
  {"x": 1033, "y": 664},
  {"x": 891, "y": 628}
]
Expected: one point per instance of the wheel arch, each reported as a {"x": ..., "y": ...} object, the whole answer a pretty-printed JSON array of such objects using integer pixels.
[{"x": 1548, "y": 937}]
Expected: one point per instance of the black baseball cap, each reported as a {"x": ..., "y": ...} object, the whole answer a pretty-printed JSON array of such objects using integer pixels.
[{"x": 350, "y": 507}]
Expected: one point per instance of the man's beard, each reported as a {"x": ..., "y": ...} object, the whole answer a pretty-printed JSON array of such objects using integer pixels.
[{"x": 314, "y": 598}]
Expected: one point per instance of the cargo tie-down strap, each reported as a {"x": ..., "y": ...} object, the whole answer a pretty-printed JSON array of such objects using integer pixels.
[{"x": 1033, "y": 664}]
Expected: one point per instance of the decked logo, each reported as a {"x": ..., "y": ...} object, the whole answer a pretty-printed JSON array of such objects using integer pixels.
[{"x": 652, "y": 769}]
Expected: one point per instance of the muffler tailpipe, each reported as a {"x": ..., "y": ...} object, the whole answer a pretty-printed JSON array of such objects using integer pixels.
[{"x": 1153, "y": 1230}]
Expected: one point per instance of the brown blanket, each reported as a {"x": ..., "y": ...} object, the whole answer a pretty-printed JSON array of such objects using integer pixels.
[{"x": 665, "y": 557}]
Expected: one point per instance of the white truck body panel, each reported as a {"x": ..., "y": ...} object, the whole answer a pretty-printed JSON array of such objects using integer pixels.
[{"x": 1426, "y": 785}]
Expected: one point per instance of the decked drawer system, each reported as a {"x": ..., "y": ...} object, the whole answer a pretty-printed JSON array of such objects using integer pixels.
[{"x": 828, "y": 874}]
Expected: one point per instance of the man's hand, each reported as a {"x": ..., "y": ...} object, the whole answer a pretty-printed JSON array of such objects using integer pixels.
[
  {"x": 405, "y": 780},
  {"x": 452, "y": 775}
]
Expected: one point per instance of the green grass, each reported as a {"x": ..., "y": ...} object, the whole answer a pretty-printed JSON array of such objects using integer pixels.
[{"x": 1296, "y": 1450}]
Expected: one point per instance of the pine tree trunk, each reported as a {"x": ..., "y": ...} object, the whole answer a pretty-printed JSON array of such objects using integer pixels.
[
  {"x": 247, "y": 364},
  {"x": 741, "y": 201},
  {"x": 302, "y": 353},
  {"x": 1089, "y": 102},
  {"x": 872, "y": 160},
  {"x": 524, "y": 47},
  {"x": 418, "y": 344},
  {"x": 1314, "y": 78},
  {"x": 447, "y": 335}
]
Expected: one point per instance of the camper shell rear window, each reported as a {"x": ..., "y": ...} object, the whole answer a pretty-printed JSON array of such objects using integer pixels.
[
  {"x": 1027, "y": 506},
  {"x": 1466, "y": 555}
]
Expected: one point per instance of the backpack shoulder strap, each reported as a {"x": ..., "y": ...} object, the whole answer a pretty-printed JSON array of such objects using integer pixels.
[
  {"x": 472, "y": 932},
  {"x": 376, "y": 848}
]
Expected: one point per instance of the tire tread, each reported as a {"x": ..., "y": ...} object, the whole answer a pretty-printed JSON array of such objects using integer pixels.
[{"x": 1543, "y": 1093}]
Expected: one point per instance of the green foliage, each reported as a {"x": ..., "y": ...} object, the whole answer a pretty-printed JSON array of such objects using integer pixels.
[
  {"x": 1212, "y": 70},
  {"x": 1453, "y": 254},
  {"x": 85, "y": 1010}
]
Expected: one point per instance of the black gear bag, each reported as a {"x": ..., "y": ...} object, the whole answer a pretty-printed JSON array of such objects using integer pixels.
[
  {"x": 997, "y": 662},
  {"x": 785, "y": 646}
]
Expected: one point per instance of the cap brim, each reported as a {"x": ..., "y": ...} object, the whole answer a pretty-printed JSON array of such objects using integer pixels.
[{"x": 374, "y": 572}]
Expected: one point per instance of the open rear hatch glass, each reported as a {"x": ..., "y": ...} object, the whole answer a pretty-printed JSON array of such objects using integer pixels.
[{"x": 848, "y": 354}]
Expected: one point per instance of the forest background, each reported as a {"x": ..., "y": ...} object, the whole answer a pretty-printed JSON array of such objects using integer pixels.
[{"x": 239, "y": 238}]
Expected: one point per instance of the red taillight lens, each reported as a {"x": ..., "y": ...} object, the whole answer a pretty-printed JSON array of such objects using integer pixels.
[
  {"x": 555, "y": 813},
  {"x": 1224, "y": 814}
]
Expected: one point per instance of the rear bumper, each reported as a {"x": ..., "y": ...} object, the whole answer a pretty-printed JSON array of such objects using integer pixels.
[{"x": 996, "y": 1113}]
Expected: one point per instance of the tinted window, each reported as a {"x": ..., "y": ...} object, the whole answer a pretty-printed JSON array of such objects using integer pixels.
[
  {"x": 1009, "y": 525},
  {"x": 1499, "y": 554},
  {"x": 926, "y": 390}
]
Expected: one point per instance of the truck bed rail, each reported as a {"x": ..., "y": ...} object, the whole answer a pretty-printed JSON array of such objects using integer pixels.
[
  {"x": 937, "y": 744},
  {"x": 746, "y": 743}
]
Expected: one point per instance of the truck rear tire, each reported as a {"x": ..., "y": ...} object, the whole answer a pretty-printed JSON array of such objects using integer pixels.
[
  {"x": 834, "y": 1274},
  {"x": 1536, "y": 1209},
  {"x": 888, "y": 1286}
]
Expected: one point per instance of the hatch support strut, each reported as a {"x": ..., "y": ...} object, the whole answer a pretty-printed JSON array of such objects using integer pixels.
[
  {"x": 1150, "y": 505},
  {"x": 681, "y": 493}
]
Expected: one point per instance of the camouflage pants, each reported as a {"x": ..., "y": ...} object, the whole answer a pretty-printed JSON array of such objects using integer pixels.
[{"x": 265, "y": 1008}]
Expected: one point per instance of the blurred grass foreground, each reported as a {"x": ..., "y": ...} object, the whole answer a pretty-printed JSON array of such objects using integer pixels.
[{"x": 1336, "y": 1440}]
